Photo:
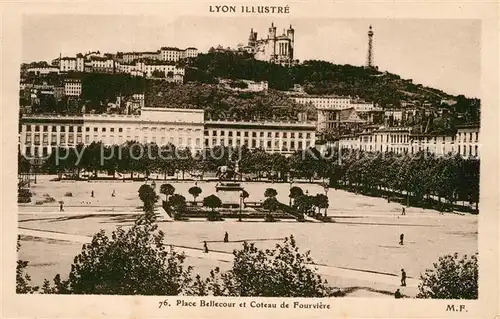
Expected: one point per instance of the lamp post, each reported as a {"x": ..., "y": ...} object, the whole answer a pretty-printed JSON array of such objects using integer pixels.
[
  {"x": 290, "y": 192},
  {"x": 34, "y": 164},
  {"x": 241, "y": 205},
  {"x": 326, "y": 188}
]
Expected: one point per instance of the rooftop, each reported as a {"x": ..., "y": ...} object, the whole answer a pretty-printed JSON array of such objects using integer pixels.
[{"x": 171, "y": 48}]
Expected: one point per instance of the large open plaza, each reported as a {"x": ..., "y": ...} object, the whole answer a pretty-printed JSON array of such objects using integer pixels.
[{"x": 359, "y": 252}]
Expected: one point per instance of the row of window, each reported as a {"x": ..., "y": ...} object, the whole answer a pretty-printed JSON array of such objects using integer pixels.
[
  {"x": 253, "y": 143},
  {"x": 374, "y": 138},
  {"x": 35, "y": 139},
  {"x": 106, "y": 139},
  {"x": 464, "y": 151},
  {"x": 52, "y": 128},
  {"x": 463, "y": 136},
  {"x": 260, "y": 134},
  {"x": 322, "y": 100},
  {"x": 53, "y": 139},
  {"x": 405, "y": 138},
  {"x": 396, "y": 141}
]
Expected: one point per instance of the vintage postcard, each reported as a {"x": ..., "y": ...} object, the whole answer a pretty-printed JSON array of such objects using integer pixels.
[{"x": 255, "y": 159}]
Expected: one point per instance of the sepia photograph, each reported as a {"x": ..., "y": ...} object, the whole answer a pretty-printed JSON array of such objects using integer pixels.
[{"x": 311, "y": 159}]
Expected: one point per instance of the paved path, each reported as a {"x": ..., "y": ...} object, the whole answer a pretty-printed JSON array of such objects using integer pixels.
[{"x": 364, "y": 275}]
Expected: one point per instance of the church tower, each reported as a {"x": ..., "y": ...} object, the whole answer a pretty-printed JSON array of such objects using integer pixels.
[
  {"x": 272, "y": 40},
  {"x": 252, "y": 38}
]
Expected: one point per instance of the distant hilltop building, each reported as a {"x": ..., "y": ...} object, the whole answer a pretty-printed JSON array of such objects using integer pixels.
[
  {"x": 160, "y": 64},
  {"x": 172, "y": 54},
  {"x": 244, "y": 85},
  {"x": 274, "y": 48}
]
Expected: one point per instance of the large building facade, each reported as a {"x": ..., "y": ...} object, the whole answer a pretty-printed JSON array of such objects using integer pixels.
[
  {"x": 274, "y": 48},
  {"x": 180, "y": 127},
  {"x": 401, "y": 140},
  {"x": 274, "y": 137},
  {"x": 39, "y": 135},
  {"x": 338, "y": 112}
]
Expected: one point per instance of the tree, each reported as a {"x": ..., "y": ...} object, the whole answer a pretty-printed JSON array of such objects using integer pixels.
[
  {"x": 129, "y": 262},
  {"x": 295, "y": 192},
  {"x": 184, "y": 160},
  {"x": 167, "y": 189},
  {"x": 280, "y": 272},
  {"x": 270, "y": 192},
  {"x": 22, "y": 163},
  {"x": 304, "y": 203},
  {"x": 451, "y": 278},
  {"x": 271, "y": 204},
  {"x": 148, "y": 197},
  {"x": 195, "y": 191},
  {"x": 178, "y": 203},
  {"x": 321, "y": 201},
  {"x": 212, "y": 202},
  {"x": 158, "y": 74}
]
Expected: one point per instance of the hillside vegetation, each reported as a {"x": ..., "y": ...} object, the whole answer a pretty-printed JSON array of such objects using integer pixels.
[
  {"x": 220, "y": 104},
  {"x": 317, "y": 77}
]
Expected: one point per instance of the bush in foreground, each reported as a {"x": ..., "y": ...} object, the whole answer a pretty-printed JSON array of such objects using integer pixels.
[
  {"x": 136, "y": 262},
  {"x": 451, "y": 278},
  {"x": 129, "y": 262},
  {"x": 23, "y": 280},
  {"x": 279, "y": 272}
]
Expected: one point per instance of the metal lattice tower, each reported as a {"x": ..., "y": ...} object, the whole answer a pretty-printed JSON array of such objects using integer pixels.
[{"x": 369, "y": 58}]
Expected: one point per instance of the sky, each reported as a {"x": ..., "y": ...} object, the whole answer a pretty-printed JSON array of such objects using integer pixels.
[{"x": 445, "y": 54}]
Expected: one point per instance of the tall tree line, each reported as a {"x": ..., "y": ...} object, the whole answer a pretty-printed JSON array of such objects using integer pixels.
[{"x": 418, "y": 177}]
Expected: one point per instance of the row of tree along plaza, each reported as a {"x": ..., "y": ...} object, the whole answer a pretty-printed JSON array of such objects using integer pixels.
[{"x": 422, "y": 180}]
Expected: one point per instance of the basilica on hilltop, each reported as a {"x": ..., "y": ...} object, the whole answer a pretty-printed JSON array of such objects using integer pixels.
[{"x": 273, "y": 48}]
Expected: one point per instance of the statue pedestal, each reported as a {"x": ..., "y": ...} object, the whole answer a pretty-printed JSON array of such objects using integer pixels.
[{"x": 229, "y": 194}]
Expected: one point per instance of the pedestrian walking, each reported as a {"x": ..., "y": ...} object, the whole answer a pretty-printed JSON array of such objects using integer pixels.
[
  {"x": 403, "y": 211},
  {"x": 205, "y": 247},
  {"x": 61, "y": 207},
  {"x": 92, "y": 194},
  {"x": 226, "y": 237},
  {"x": 397, "y": 294},
  {"x": 113, "y": 194},
  {"x": 401, "y": 238},
  {"x": 403, "y": 278}
]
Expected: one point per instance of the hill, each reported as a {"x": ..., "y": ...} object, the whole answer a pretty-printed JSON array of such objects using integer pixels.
[
  {"x": 317, "y": 77},
  {"x": 387, "y": 90}
]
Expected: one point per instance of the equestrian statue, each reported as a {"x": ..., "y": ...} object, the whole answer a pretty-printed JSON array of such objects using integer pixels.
[{"x": 228, "y": 172}]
